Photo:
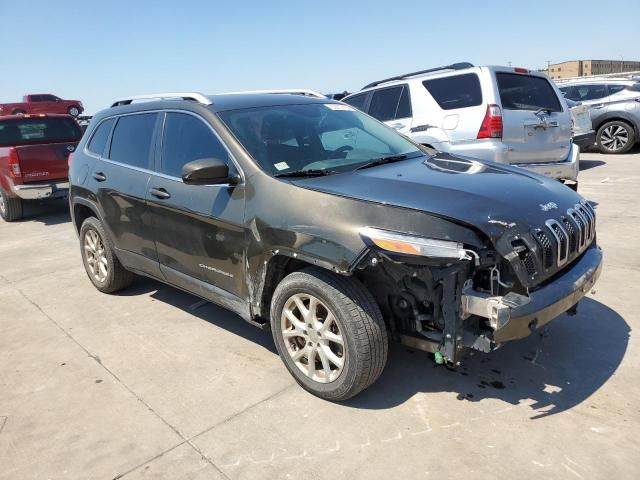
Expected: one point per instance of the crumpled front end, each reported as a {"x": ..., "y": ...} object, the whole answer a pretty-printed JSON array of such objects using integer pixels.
[{"x": 517, "y": 282}]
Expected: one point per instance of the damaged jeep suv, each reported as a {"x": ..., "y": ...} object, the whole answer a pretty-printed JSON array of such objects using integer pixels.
[{"x": 308, "y": 217}]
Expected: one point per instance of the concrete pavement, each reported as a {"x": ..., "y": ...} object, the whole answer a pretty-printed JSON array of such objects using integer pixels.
[{"x": 151, "y": 384}]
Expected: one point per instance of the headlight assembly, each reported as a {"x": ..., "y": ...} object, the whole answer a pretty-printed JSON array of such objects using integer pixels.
[{"x": 411, "y": 245}]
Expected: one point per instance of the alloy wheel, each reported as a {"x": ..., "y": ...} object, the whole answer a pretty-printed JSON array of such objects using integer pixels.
[
  {"x": 313, "y": 338},
  {"x": 74, "y": 112},
  {"x": 3, "y": 205},
  {"x": 96, "y": 256},
  {"x": 614, "y": 138}
]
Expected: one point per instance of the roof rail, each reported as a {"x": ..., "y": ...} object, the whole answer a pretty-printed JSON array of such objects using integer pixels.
[
  {"x": 194, "y": 96},
  {"x": 453, "y": 66},
  {"x": 305, "y": 92}
]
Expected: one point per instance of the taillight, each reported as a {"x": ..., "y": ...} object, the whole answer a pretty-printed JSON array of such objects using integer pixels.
[
  {"x": 69, "y": 158},
  {"x": 14, "y": 163},
  {"x": 492, "y": 124}
]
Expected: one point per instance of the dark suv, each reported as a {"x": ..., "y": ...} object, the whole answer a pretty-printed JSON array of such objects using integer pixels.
[{"x": 311, "y": 218}]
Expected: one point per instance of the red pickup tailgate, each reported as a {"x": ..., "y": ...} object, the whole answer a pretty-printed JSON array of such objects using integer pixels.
[
  {"x": 44, "y": 162},
  {"x": 37, "y": 147}
]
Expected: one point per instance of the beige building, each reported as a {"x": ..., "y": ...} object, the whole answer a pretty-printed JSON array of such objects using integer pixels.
[{"x": 580, "y": 68}]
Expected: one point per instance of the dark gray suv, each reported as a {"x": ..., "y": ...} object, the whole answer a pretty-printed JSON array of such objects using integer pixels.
[
  {"x": 615, "y": 110},
  {"x": 311, "y": 218}
]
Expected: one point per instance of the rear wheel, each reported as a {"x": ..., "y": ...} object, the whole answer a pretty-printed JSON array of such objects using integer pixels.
[
  {"x": 73, "y": 111},
  {"x": 329, "y": 333},
  {"x": 615, "y": 137},
  {"x": 10, "y": 208},
  {"x": 102, "y": 266},
  {"x": 18, "y": 112}
]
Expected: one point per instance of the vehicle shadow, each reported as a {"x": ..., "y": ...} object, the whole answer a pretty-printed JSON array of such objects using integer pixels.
[
  {"x": 53, "y": 212},
  {"x": 209, "y": 312},
  {"x": 588, "y": 164},
  {"x": 551, "y": 372}
]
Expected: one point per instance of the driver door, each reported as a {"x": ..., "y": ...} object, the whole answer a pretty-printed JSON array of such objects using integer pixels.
[{"x": 198, "y": 229}]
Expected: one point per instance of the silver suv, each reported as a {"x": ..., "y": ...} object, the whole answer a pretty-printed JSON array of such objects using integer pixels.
[
  {"x": 615, "y": 110},
  {"x": 503, "y": 114}
]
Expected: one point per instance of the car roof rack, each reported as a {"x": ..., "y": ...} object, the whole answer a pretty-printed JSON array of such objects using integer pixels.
[
  {"x": 305, "y": 92},
  {"x": 453, "y": 66},
  {"x": 193, "y": 96}
]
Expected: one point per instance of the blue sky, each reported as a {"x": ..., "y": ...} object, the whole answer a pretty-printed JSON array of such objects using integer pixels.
[{"x": 100, "y": 50}]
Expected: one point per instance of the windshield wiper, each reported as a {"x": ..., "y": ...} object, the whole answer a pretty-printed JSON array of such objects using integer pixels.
[
  {"x": 312, "y": 172},
  {"x": 382, "y": 161}
]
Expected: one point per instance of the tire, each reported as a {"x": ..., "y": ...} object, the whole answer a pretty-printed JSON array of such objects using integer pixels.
[
  {"x": 18, "y": 112},
  {"x": 10, "y": 208},
  {"x": 74, "y": 111},
  {"x": 114, "y": 276},
  {"x": 615, "y": 137},
  {"x": 357, "y": 322}
]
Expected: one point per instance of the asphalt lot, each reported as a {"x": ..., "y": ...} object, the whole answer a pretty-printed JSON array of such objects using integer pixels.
[{"x": 151, "y": 383}]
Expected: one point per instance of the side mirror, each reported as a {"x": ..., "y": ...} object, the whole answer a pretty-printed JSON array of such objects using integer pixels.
[{"x": 207, "y": 171}]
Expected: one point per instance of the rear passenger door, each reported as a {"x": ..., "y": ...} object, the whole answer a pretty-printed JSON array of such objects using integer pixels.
[
  {"x": 593, "y": 95},
  {"x": 120, "y": 180},
  {"x": 392, "y": 105},
  {"x": 198, "y": 229}
]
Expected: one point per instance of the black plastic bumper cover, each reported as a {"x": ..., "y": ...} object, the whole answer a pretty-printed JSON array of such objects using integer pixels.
[
  {"x": 554, "y": 299},
  {"x": 585, "y": 140}
]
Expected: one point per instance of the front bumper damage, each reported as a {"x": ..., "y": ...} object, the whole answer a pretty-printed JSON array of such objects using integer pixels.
[{"x": 515, "y": 316}]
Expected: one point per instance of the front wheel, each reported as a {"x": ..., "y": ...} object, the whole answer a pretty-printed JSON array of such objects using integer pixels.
[
  {"x": 73, "y": 111},
  {"x": 329, "y": 333},
  {"x": 615, "y": 137}
]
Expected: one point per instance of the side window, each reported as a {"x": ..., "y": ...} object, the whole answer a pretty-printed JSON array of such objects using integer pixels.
[
  {"x": 404, "y": 107},
  {"x": 187, "y": 138},
  {"x": 456, "y": 91},
  {"x": 131, "y": 140},
  {"x": 357, "y": 101},
  {"x": 384, "y": 103},
  {"x": 571, "y": 93},
  {"x": 590, "y": 92},
  {"x": 615, "y": 88},
  {"x": 100, "y": 137}
]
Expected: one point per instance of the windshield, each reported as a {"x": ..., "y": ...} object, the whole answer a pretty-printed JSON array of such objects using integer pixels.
[
  {"x": 328, "y": 137},
  {"x": 29, "y": 131}
]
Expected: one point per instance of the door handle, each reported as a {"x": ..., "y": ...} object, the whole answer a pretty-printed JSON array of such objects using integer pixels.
[
  {"x": 160, "y": 193},
  {"x": 601, "y": 105},
  {"x": 397, "y": 126},
  {"x": 99, "y": 176}
]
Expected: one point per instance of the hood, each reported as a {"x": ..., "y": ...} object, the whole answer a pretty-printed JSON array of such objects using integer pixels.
[{"x": 489, "y": 196}]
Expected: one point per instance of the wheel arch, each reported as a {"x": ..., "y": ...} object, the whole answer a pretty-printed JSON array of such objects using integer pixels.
[
  {"x": 619, "y": 117},
  {"x": 276, "y": 268}
]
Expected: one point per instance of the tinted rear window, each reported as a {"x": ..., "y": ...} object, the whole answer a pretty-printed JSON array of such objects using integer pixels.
[
  {"x": 31, "y": 131},
  {"x": 458, "y": 91},
  {"x": 131, "y": 140},
  {"x": 99, "y": 139},
  {"x": 526, "y": 92}
]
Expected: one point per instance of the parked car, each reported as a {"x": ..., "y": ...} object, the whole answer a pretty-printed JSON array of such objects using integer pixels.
[
  {"x": 615, "y": 110},
  {"x": 306, "y": 216},
  {"x": 503, "y": 114},
  {"x": 42, "y": 103},
  {"x": 34, "y": 150},
  {"x": 583, "y": 134}
]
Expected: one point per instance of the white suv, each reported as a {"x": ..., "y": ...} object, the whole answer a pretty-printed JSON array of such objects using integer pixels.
[{"x": 502, "y": 114}]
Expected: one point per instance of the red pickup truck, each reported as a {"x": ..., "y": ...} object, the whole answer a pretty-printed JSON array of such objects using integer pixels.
[
  {"x": 42, "y": 103},
  {"x": 34, "y": 155}
]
